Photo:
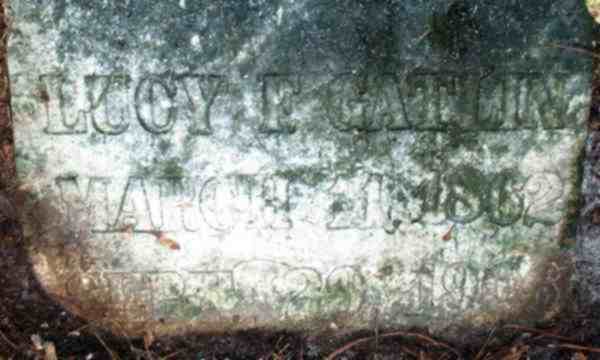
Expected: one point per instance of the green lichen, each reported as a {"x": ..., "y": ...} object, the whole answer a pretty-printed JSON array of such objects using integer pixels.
[
  {"x": 500, "y": 149},
  {"x": 458, "y": 139},
  {"x": 180, "y": 308},
  {"x": 309, "y": 176},
  {"x": 511, "y": 242},
  {"x": 390, "y": 267},
  {"x": 171, "y": 168},
  {"x": 32, "y": 161}
]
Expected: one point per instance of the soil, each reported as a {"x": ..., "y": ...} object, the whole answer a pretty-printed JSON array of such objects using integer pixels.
[{"x": 32, "y": 324}]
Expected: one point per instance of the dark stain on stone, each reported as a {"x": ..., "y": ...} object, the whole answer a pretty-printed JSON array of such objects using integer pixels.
[
  {"x": 456, "y": 32},
  {"x": 575, "y": 201}
]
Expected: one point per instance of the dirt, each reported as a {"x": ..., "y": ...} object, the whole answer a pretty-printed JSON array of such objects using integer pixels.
[{"x": 26, "y": 310}]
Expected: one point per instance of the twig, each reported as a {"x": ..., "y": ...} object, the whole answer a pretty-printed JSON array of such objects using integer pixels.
[
  {"x": 485, "y": 345},
  {"x": 81, "y": 328},
  {"x": 409, "y": 352},
  {"x": 575, "y": 49},
  {"x": 389, "y": 335},
  {"x": 110, "y": 352},
  {"x": 423, "y": 36},
  {"x": 12, "y": 344},
  {"x": 172, "y": 355},
  {"x": 539, "y": 332},
  {"x": 281, "y": 353},
  {"x": 347, "y": 347},
  {"x": 579, "y": 348}
]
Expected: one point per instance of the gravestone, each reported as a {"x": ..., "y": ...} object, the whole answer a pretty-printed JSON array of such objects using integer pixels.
[{"x": 223, "y": 165}]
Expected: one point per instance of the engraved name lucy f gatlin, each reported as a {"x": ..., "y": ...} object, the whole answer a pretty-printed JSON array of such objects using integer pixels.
[
  {"x": 473, "y": 214},
  {"x": 220, "y": 200}
]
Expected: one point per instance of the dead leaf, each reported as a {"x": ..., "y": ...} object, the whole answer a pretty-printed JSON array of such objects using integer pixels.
[
  {"x": 25, "y": 187},
  {"x": 148, "y": 339},
  {"x": 516, "y": 353},
  {"x": 50, "y": 351},
  {"x": 448, "y": 235},
  {"x": 170, "y": 243},
  {"x": 7, "y": 151},
  {"x": 37, "y": 342},
  {"x": 165, "y": 241},
  {"x": 184, "y": 205},
  {"x": 128, "y": 231}
]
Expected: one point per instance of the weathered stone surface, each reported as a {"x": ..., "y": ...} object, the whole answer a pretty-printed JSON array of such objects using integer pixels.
[{"x": 233, "y": 164}]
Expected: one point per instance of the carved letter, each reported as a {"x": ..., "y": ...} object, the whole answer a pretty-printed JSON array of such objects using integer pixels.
[
  {"x": 505, "y": 205},
  {"x": 135, "y": 208},
  {"x": 395, "y": 115},
  {"x": 353, "y": 103},
  {"x": 458, "y": 98},
  {"x": 196, "y": 100},
  {"x": 554, "y": 104},
  {"x": 464, "y": 203},
  {"x": 278, "y": 95},
  {"x": 362, "y": 212},
  {"x": 423, "y": 101},
  {"x": 275, "y": 196},
  {"x": 155, "y": 104},
  {"x": 226, "y": 203},
  {"x": 108, "y": 96},
  {"x": 60, "y": 118},
  {"x": 94, "y": 200}
]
